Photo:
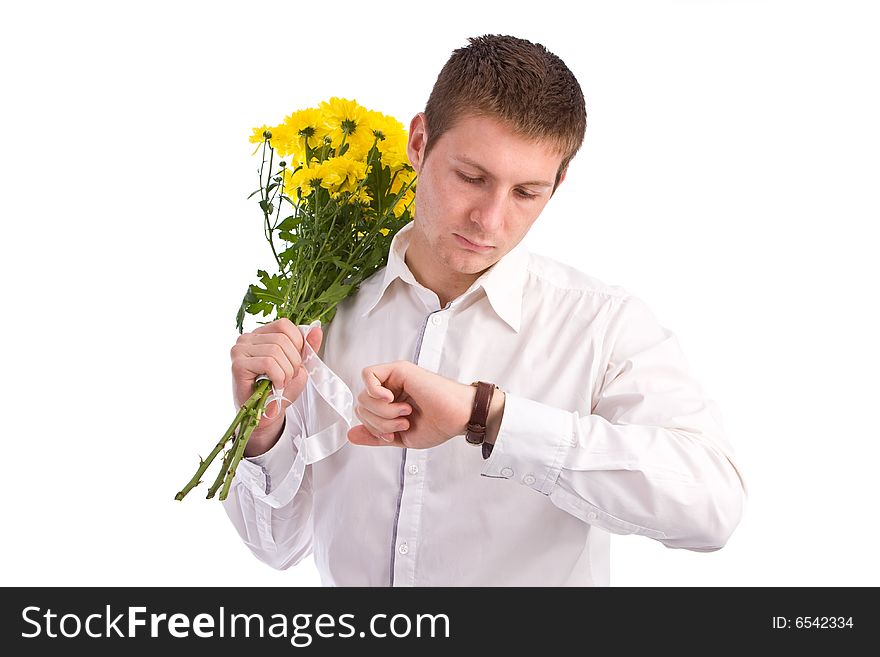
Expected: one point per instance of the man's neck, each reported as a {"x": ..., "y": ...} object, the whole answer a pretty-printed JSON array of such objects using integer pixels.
[{"x": 446, "y": 288}]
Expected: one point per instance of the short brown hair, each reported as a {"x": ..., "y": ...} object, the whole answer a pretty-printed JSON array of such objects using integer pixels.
[{"x": 519, "y": 82}]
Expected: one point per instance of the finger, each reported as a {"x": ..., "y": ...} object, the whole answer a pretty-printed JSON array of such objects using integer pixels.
[
  {"x": 382, "y": 408},
  {"x": 286, "y": 327},
  {"x": 284, "y": 342},
  {"x": 379, "y": 424},
  {"x": 358, "y": 435},
  {"x": 315, "y": 338},
  {"x": 248, "y": 368},
  {"x": 270, "y": 360},
  {"x": 373, "y": 430},
  {"x": 373, "y": 386}
]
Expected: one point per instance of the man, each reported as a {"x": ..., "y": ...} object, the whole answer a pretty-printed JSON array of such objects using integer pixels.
[{"x": 595, "y": 426}]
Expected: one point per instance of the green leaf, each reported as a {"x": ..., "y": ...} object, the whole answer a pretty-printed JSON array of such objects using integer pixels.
[
  {"x": 289, "y": 223},
  {"x": 263, "y": 299},
  {"x": 333, "y": 295},
  {"x": 339, "y": 263},
  {"x": 248, "y": 299},
  {"x": 289, "y": 254}
]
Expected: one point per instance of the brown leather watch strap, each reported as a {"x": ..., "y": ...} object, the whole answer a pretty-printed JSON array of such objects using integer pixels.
[{"x": 476, "y": 427}]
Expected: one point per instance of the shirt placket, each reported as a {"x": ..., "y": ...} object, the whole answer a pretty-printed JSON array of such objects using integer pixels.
[{"x": 415, "y": 463}]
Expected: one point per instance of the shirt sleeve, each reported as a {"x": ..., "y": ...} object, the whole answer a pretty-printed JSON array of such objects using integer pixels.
[
  {"x": 650, "y": 459},
  {"x": 277, "y": 529}
]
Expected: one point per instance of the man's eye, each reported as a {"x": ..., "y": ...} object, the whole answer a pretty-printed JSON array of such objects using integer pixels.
[
  {"x": 468, "y": 179},
  {"x": 524, "y": 194}
]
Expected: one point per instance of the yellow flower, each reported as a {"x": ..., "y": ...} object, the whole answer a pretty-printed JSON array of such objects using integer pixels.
[
  {"x": 359, "y": 144},
  {"x": 342, "y": 118},
  {"x": 282, "y": 140},
  {"x": 393, "y": 150},
  {"x": 405, "y": 203},
  {"x": 383, "y": 126},
  {"x": 304, "y": 126},
  {"x": 258, "y": 135},
  {"x": 402, "y": 177},
  {"x": 343, "y": 174},
  {"x": 288, "y": 183},
  {"x": 306, "y": 180}
]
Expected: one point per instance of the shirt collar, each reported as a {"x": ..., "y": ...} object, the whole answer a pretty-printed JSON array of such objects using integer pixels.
[{"x": 503, "y": 282}]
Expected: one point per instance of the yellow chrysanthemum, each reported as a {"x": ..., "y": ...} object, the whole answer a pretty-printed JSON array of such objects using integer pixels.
[
  {"x": 304, "y": 126},
  {"x": 393, "y": 150},
  {"x": 343, "y": 174},
  {"x": 359, "y": 144},
  {"x": 342, "y": 117},
  {"x": 384, "y": 126},
  {"x": 306, "y": 179},
  {"x": 283, "y": 140},
  {"x": 401, "y": 178},
  {"x": 258, "y": 135},
  {"x": 405, "y": 203}
]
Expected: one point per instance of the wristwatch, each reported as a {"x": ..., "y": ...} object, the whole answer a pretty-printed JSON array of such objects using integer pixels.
[{"x": 476, "y": 426}]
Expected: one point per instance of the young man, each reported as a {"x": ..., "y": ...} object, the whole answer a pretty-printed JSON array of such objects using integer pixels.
[{"x": 595, "y": 425}]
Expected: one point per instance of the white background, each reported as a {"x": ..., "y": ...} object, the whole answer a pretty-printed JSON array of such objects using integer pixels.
[{"x": 728, "y": 178}]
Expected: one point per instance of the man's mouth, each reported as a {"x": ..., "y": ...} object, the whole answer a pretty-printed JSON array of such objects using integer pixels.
[{"x": 473, "y": 246}]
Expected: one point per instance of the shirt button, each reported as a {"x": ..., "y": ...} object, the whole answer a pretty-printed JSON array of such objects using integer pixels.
[
  {"x": 507, "y": 472},
  {"x": 528, "y": 480},
  {"x": 591, "y": 515},
  {"x": 403, "y": 549},
  {"x": 414, "y": 469},
  {"x": 437, "y": 320}
]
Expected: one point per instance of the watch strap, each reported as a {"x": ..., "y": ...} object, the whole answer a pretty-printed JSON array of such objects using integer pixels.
[{"x": 476, "y": 427}]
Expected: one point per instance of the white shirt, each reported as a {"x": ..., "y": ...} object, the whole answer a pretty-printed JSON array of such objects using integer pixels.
[{"x": 604, "y": 430}]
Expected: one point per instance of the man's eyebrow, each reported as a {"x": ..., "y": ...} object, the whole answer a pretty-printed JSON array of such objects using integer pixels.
[{"x": 466, "y": 160}]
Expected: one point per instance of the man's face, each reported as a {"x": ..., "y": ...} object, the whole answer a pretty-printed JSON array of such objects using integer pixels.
[{"x": 482, "y": 183}]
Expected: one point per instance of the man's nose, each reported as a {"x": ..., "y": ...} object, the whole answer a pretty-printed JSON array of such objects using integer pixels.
[{"x": 489, "y": 213}]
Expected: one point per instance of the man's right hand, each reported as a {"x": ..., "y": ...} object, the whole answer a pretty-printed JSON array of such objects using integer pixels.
[{"x": 276, "y": 350}]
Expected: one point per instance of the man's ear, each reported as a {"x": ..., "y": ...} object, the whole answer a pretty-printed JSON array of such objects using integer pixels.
[{"x": 417, "y": 141}]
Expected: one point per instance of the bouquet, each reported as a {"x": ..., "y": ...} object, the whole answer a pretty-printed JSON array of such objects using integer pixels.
[{"x": 335, "y": 187}]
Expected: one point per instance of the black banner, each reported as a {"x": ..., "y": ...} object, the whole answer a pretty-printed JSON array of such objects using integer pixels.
[{"x": 326, "y": 621}]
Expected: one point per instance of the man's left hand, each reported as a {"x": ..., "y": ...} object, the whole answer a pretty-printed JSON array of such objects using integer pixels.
[{"x": 435, "y": 408}]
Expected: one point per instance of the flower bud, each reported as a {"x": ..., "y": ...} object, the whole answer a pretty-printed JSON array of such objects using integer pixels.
[{"x": 267, "y": 134}]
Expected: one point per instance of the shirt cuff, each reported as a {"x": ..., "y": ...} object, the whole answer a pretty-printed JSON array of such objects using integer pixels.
[
  {"x": 276, "y": 462},
  {"x": 531, "y": 443}
]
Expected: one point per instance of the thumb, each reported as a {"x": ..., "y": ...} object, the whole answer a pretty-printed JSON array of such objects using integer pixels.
[
  {"x": 315, "y": 338},
  {"x": 380, "y": 379}
]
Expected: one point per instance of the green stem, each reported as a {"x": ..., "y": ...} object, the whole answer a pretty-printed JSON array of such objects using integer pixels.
[
  {"x": 265, "y": 195},
  {"x": 259, "y": 392},
  {"x": 253, "y": 420},
  {"x": 302, "y": 289},
  {"x": 220, "y": 475}
]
